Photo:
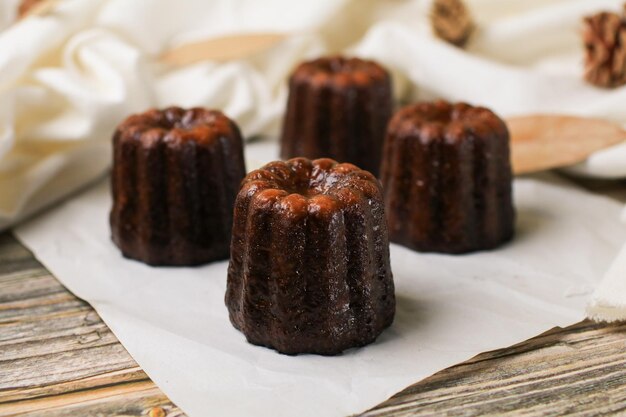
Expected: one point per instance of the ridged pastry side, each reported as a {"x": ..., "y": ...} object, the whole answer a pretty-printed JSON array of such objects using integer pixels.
[
  {"x": 447, "y": 178},
  {"x": 338, "y": 108},
  {"x": 309, "y": 269},
  {"x": 174, "y": 180}
]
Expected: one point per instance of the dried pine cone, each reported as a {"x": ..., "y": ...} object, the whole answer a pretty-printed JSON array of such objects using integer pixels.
[
  {"x": 605, "y": 44},
  {"x": 451, "y": 21}
]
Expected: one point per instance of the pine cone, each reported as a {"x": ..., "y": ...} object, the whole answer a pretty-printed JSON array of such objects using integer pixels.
[
  {"x": 451, "y": 21},
  {"x": 604, "y": 35}
]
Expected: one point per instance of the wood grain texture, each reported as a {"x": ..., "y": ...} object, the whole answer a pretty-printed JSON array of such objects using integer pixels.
[
  {"x": 541, "y": 142},
  {"x": 579, "y": 370},
  {"x": 57, "y": 357},
  {"x": 221, "y": 49}
]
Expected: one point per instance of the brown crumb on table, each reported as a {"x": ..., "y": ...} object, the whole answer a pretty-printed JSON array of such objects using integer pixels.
[{"x": 156, "y": 412}]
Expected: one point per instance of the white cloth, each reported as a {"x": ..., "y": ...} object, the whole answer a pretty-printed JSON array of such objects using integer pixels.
[
  {"x": 173, "y": 321},
  {"x": 67, "y": 78}
]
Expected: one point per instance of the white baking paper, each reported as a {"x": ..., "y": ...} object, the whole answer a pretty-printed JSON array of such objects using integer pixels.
[{"x": 174, "y": 323}]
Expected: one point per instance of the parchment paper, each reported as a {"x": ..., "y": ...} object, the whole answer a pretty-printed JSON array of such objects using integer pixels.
[{"x": 174, "y": 323}]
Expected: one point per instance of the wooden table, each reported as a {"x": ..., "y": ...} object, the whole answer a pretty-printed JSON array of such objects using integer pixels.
[{"x": 57, "y": 358}]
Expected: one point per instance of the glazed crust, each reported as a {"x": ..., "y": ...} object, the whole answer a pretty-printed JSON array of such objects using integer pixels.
[
  {"x": 309, "y": 269},
  {"x": 447, "y": 178},
  {"x": 175, "y": 176},
  {"x": 338, "y": 108}
]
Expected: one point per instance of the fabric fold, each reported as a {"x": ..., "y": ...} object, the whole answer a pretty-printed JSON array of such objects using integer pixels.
[{"x": 73, "y": 73}]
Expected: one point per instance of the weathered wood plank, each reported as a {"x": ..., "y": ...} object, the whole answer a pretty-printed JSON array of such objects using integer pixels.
[
  {"x": 57, "y": 357},
  {"x": 136, "y": 399},
  {"x": 579, "y": 370}
]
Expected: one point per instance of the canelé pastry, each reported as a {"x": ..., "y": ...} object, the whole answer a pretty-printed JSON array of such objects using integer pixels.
[
  {"x": 309, "y": 267},
  {"x": 447, "y": 178},
  {"x": 338, "y": 108},
  {"x": 175, "y": 177}
]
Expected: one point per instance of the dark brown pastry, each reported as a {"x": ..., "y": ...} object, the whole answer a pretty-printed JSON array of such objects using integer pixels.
[
  {"x": 338, "y": 108},
  {"x": 175, "y": 177},
  {"x": 447, "y": 178},
  {"x": 309, "y": 268}
]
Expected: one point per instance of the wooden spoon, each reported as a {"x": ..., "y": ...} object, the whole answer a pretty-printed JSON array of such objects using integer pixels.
[
  {"x": 541, "y": 142},
  {"x": 222, "y": 49}
]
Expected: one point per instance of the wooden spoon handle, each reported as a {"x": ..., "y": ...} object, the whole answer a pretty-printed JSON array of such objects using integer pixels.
[
  {"x": 541, "y": 142},
  {"x": 221, "y": 49}
]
